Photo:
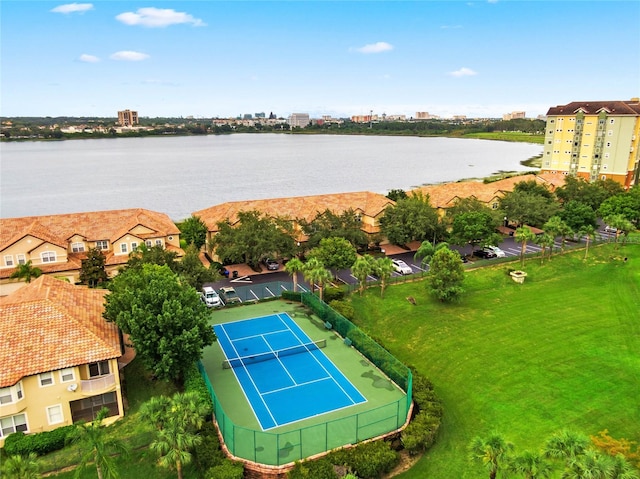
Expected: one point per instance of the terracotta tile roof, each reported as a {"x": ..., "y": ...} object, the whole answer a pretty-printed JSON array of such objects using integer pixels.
[
  {"x": 92, "y": 226},
  {"x": 594, "y": 107},
  {"x": 73, "y": 263},
  {"x": 299, "y": 207},
  {"x": 49, "y": 325},
  {"x": 446, "y": 194}
]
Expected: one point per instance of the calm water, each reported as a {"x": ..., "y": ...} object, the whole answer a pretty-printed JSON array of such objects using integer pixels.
[{"x": 179, "y": 175}]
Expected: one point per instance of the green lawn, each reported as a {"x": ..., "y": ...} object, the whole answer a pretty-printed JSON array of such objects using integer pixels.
[
  {"x": 559, "y": 351},
  {"x": 508, "y": 136}
]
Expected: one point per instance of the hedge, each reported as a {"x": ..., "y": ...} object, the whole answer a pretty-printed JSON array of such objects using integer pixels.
[{"x": 40, "y": 443}]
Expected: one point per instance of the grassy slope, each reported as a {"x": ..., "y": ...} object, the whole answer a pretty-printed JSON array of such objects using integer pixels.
[{"x": 525, "y": 360}]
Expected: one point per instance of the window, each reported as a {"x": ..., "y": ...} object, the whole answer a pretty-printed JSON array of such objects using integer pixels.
[
  {"x": 9, "y": 425},
  {"x": 54, "y": 414},
  {"x": 77, "y": 247},
  {"x": 123, "y": 247},
  {"x": 67, "y": 375},
  {"x": 22, "y": 259},
  {"x": 46, "y": 379},
  {"x": 8, "y": 260},
  {"x": 48, "y": 257},
  {"x": 102, "y": 245},
  {"x": 603, "y": 177},
  {"x": 134, "y": 246},
  {"x": 612, "y": 121},
  {"x": 158, "y": 242},
  {"x": 149, "y": 243},
  {"x": 608, "y": 144},
  {"x": 98, "y": 369},
  {"x": 11, "y": 394}
]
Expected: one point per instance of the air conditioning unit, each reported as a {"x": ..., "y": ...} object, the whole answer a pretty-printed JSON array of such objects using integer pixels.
[{"x": 72, "y": 387}]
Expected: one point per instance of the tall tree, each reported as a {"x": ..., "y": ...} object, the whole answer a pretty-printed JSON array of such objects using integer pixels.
[
  {"x": 577, "y": 214},
  {"x": 620, "y": 223},
  {"x": 97, "y": 448},
  {"x": 491, "y": 451},
  {"x": 474, "y": 228},
  {"x": 383, "y": 269},
  {"x": 194, "y": 231},
  {"x": 92, "y": 270},
  {"x": 589, "y": 233},
  {"x": 410, "y": 219},
  {"x": 191, "y": 269},
  {"x": 397, "y": 194},
  {"x": 531, "y": 465},
  {"x": 293, "y": 267},
  {"x": 361, "y": 269},
  {"x": 327, "y": 224},
  {"x": 525, "y": 208},
  {"x": 566, "y": 445},
  {"x": 557, "y": 227},
  {"x": 20, "y": 467},
  {"x": 426, "y": 251},
  {"x": 625, "y": 204},
  {"x": 153, "y": 255},
  {"x": 446, "y": 275},
  {"x": 589, "y": 465},
  {"x": 317, "y": 275},
  {"x": 26, "y": 271},
  {"x": 164, "y": 318},
  {"x": 336, "y": 253},
  {"x": 544, "y": 240},
  {"x": 522, "y": 236}
]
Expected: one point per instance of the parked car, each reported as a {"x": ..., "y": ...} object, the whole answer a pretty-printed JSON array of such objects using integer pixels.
[
  {"x": 610, "y": 229},
  {"x": 210, "y": 298},
  {"x": 401, "y": 267},
  {"x": 483, "y": 253},
  {"x": 271, "y": 264},
  {"x": 229, "y": 295},
  {"x": 498, "y": 252}
]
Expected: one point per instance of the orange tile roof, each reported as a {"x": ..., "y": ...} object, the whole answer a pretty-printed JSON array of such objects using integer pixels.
[
  {"x": 445, "y": 195},
  {"x": 73, "y": 263},
  {"x": 298, "y": 207},
  {"x": 49, "y": 325},
  {"x": 92, "y": 226}
]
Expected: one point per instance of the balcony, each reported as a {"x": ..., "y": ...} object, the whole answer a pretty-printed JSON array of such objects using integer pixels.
[{"x": 89, "y": 386}]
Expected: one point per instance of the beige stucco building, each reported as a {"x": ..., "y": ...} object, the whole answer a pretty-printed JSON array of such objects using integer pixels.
[
  {"x": 57, "y": 244},
  {"x": 59, "y": 361}
]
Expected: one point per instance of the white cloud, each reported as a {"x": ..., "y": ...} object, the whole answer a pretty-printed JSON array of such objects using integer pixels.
[
  {"x": 73, "y": 7},
  {"x": 463, "y": 72},
  {"x": 89, "y": 58},
  {"x": 129, "y": 56},
  {"x": 375, "y": 48},
  {"x": 158, "y": 17}
]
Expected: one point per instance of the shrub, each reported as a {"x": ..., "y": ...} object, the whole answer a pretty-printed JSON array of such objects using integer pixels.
[
  {"x": 368, "y": 460},
  {"x": 344, "y": 308},
  {"x": 208, "y": 454},
  {"x": 320, "y": 469},
  {"x": 193, "y": 381},
  {"x": 332, "y": 294},
  {"x": 226, "y": 470},
  {"x": 39, "y": 443}
]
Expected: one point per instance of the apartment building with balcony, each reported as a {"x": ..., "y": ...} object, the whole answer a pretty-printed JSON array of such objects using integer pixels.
[
  {"x": 127, "y": 118},
  {"x": 594, "y": 140},
  {"x": 57, "y": 244},
  {"x": 60, "y": 360}
]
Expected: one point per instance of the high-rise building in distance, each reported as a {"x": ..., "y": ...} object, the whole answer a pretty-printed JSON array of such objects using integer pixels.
[{"x": 127, "y": 118}]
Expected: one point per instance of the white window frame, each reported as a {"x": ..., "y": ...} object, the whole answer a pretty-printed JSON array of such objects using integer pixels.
[
  {"x": 67, "y": 372},
  {"x": 22, "y": 259},
  {"x": 134, "y": 246},
  {"x": 77, "y": 247},
  {"x": 102, "y": 245},
  {"x": 48, "y": 257},
  {"x": 124, "y": 248},
  {"x": 8, "y": 260},
  {"x": 14, "y": 393},
  {"x": 13, "y": 422},
  {"x": 159, "y": 243},
  {"x": 46, "y": 377},
  {"x": 51, "y": 412},
  {"x": 149, "y": 243}
]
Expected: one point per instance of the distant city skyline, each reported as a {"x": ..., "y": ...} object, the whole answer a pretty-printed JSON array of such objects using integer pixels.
[{"x": 224, "y": 59}]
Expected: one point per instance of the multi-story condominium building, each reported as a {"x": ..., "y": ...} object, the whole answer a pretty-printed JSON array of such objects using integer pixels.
[
  {"x": 423, "y": 115},
  {"x": 57, "y": 244},
  {"x": 300, "y": 120},
  {"x": 59, "y": 363},
  {"x": 368, "y": 208},
  {"x": 127, "y": 118},
  {"x": 594, "y": 140},
  {"x": 364, "y": 118},
  {"x": 514, "y": 115}
]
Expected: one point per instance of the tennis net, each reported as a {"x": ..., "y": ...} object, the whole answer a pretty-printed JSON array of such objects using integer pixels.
[{"x": 258, "y": 358}]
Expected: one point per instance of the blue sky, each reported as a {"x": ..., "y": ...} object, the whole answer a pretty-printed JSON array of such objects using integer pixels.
[{"x": 342, "y": 58}]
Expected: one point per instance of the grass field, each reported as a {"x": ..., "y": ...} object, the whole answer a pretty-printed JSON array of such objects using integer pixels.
[
  {"x": 559, "y": 351},
  {"x": 508, "y": 136}
]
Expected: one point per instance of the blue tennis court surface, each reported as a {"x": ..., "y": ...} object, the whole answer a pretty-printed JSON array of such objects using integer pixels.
[{"x": 284, "y": 375}]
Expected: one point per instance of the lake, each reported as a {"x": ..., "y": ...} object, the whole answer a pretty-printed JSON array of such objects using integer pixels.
[{"x": 179, "y": 175}]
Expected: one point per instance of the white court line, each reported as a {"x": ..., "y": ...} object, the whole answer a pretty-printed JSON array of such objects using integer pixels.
[
  {"x": 261, "y": 335},
  {"x": 296, "y": 385}
]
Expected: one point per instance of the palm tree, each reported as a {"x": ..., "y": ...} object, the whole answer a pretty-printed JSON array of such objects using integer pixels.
[
  {"x": 316, "y": 274},
  {"x": 556, "y": 227},
  {"x": 361, "y": 269},
  {"x": 620, "y": 223},
  {"x": 383, "y": 269},
  {"x": 590, "y": 465},
  {"x": 589, "y": 233},
  {"x": 545, "y": 240},
  {"x": 20, "y": 467},
  {"x": 522, "y": 235},
  {"x": 566, "y": 445},
  {"x": 26, "y": 271},
  {"x": 426, "y": 251},
  {"x": 293, "y": 267},
  {"x": 97, "y": 448},
  {"x": 173, "y": 444},
  {"x": 492, "y": 452},
  {"x": 531, "y": 465},
  {"x": 622, "y": 469},
  {"x": 153, "y": 411}
]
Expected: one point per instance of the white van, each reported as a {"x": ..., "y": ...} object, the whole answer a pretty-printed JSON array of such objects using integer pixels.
[{"x": 210, "y": 297}]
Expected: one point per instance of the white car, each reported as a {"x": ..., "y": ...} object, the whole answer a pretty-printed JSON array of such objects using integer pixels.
[
  {"x": 495, "y": 250},
  {"x": 401, "y": 267}
]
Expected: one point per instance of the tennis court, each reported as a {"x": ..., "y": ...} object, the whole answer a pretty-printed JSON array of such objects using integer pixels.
[{"x": 284, "y": 375}]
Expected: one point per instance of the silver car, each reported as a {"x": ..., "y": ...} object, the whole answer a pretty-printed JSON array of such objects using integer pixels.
[{"x": 401, "y": 267}]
